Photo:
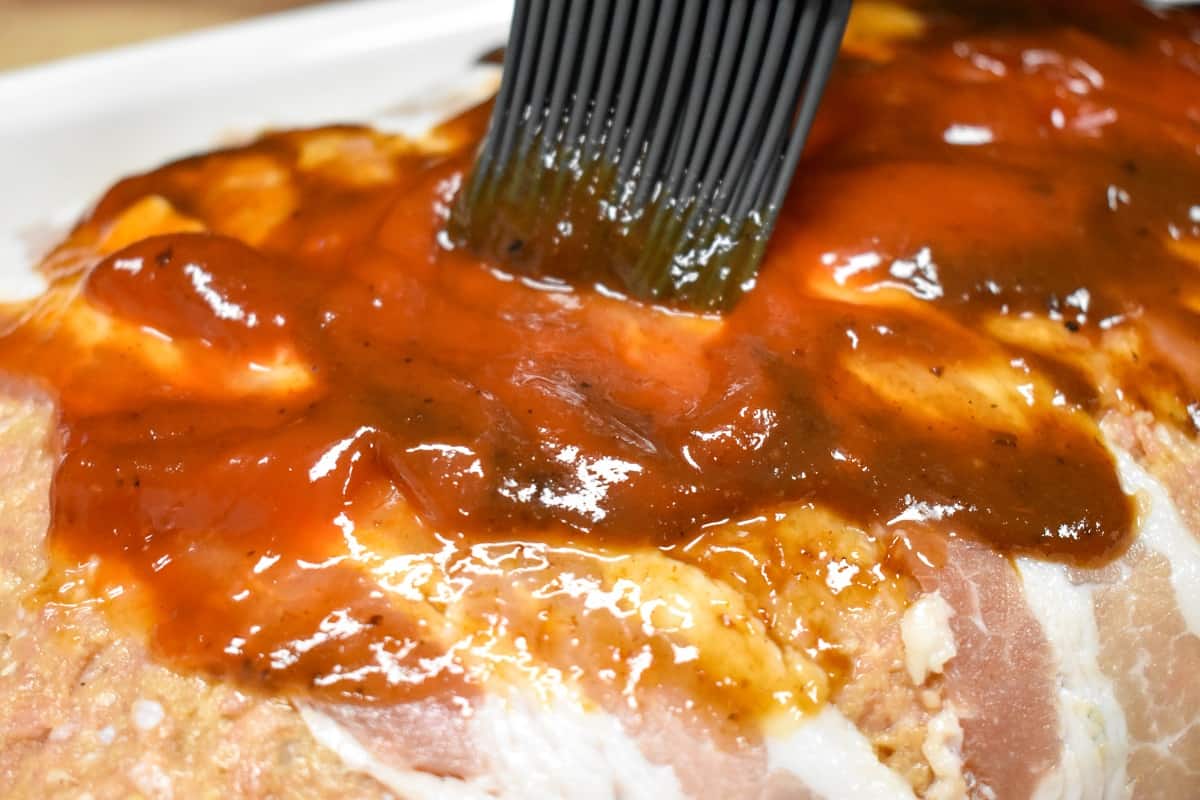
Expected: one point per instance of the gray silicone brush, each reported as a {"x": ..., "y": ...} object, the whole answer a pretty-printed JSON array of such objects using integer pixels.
[{"x": 647, "y": 145}]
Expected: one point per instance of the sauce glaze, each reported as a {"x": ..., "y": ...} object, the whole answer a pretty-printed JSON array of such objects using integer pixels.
[{"x": 330, "y": 454}]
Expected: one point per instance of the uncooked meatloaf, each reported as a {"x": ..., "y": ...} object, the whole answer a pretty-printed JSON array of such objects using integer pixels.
[{"x": 301, "y": 499}]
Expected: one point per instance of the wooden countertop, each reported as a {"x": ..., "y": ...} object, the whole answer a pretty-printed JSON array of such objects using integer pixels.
[{"x": 33, "y": 31}]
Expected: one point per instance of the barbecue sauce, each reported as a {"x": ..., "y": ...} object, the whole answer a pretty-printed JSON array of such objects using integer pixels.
[{"x": 287, "y": 401}]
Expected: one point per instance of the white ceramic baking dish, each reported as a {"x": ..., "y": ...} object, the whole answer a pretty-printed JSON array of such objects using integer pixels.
[{"x": 70, "y": 128}]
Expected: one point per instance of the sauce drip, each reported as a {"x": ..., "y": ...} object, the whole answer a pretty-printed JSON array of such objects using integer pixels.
[{"x": 270, "y": 368}]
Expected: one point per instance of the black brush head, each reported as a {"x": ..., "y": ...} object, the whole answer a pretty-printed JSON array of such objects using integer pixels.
[{"x": 647, "y": 145}]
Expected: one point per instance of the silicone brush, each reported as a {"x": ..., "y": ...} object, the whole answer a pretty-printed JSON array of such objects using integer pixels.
[{"x": 646, "y": 146}]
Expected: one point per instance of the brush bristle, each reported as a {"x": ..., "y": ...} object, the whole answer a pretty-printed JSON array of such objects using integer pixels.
[{"x": 646, "y": 145}]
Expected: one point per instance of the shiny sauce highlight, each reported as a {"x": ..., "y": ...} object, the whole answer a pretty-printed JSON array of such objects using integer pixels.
[{"x": 325, "y": 448}]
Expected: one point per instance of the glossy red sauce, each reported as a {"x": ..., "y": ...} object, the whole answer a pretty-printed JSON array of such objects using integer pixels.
[{"x": 1040, "y": 168}]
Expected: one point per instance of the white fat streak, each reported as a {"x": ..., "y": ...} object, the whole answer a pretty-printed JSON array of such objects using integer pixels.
[
  {"x": 565, "y": 752},
  {"x": 412, "y": 784},
  {"x": 833, "y": 759},
  {"x": 1091, "y": 720},
  {"x": 928, "y": 639},
  {"x": 1164, "y": 531},
  {"x": 535, "y": 751},
  {"x": 543, "y": 752},
  {"x": 942, "y": 748}
]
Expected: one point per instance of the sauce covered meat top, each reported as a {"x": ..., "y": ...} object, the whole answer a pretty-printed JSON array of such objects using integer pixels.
[{"x": 285, "y": 403}]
